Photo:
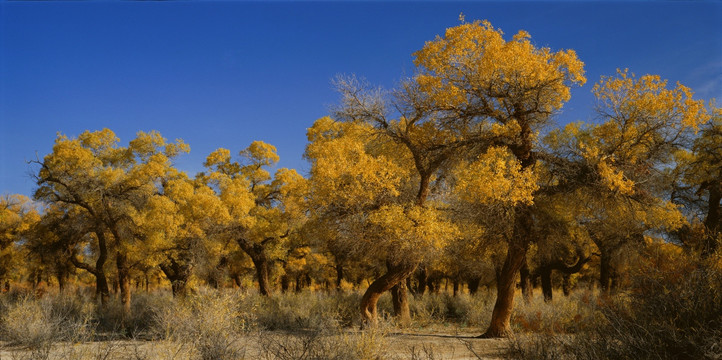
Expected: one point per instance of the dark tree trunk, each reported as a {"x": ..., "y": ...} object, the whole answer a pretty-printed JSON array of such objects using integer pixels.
[
  {"x": 422, "y": 278},
  {"x": 455, "y": 287},
  {"x": 384, "y": 283},
  {"x": 712, "y": 221},
  {"x": 527, "y": 290},
  {"x": 545, "y": 272},
  {"x": 339, "y": 274},
  {"x": 121, "y": 262},
  {"x": 400, "y": 300},
  {"x": 178, "y": 274},
  {"x": 474, "y": 285},
  {"x": 102, "y": 290},
  {"x": 285, "y": 283},
  {"x": 262, "y": 273},
  {"x": 261, "y": 262}
]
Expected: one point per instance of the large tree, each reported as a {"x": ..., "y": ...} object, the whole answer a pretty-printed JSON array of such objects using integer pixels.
[
  {"x": 110, "y": 185},
  {"x": 262, "y": 211}
]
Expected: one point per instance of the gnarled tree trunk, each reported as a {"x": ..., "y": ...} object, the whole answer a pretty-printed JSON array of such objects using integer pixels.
[
  {"x": 394, "y": 274},
  {"x": 178, "y": 274}
]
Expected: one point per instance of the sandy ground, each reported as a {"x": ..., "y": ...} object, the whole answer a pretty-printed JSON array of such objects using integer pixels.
[{"x": 399, "y": 346}]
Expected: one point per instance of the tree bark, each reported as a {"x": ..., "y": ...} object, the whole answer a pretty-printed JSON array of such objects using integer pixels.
[
  {"x": 121, "y": 262},
  {"x": 339, "y": 274},
  {"x": 384, "y": 283},
  {"x": 261, "y": 262},
  {"x": 500, "y": 325},
  {"x": 400, "y": 300},
  {"x": 474, "y": 285},
  {"x": 178, "y": 274},
  {"x": 545, "y": 272},
  {"x": 422, "y": 279},
  {"x": 527, "y": 290},
  {"x": 712, "y": 221}
]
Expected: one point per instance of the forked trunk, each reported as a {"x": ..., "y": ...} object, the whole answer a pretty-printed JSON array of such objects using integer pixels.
[
  {"x": 400, "y": 300},
  {"x": 393, "y": 276},
  {"x": 500, "y": 325},
  {"x": 262, "y": 272}
]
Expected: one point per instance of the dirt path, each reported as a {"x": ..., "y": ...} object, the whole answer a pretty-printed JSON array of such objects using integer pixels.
[
  {"x": 401, "y": 346},
  {"x": 445, "y": 346}
]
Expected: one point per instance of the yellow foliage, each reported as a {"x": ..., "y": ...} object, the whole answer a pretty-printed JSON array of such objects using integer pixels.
[{"x": 496, "y": 177}]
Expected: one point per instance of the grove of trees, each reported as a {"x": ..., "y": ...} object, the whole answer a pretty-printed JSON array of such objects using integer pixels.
[{"x": 460, "y": 174}]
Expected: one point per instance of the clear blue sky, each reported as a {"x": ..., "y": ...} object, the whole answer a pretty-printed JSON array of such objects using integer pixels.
[{"x": 222, "y": 74}]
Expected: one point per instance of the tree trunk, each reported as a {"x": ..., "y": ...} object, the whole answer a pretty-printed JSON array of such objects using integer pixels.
[
  {"x": 124, "y": 282},
  {"x": 500, "y": 325},
  {"x": 400, "y": 300},
  {"x": 262, "y": 273},
  {"x": 422, "y": 278},
  {"x": 527, "y": 290},
  {"x": 545, "y": 272},
  {"x": 455, "y": 287},
  {"x": 178, "y": 274},
  {"x": 605, "y": 272},
  {"x": 339, "y": 274},
  {"x": 712, "y": 221},
  {"x": 474, "y": 285},
  {"x": 384, "y": 283},
  {"x": 285, "y": 283},
  {"x": 566, "y": 284}
]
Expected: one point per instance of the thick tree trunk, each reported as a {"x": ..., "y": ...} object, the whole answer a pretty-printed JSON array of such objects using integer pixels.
[
  {"x": 384, "y": 283},
  {"x": 400, "y": 300},
  {"x": 545, "y": 272},
  {"x": 124, "y": 281},
  {"x": 500, "y": 325},
  {"x": 178, "y": 274},
  {"x": 527, "y": 290},
  {"x": 261, "y": 264}
]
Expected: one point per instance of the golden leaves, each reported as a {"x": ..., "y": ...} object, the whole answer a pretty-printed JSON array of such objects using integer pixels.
[{"x": 496, "y": 177}]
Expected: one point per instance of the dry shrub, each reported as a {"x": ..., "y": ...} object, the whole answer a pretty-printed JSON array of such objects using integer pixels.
[
  {"x": 211, "y": 321},
  {"x": 673, "y": 310},
  {"x": 332, "y": 344},
  {"x": 306, "y": 310},
  {"x": 565, "y": 314},
  {"x": 38, "y": 323},
  {"x": 463, "y": 309}
]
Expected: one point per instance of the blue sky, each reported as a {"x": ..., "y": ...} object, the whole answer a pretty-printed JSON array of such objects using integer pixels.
[{"x": 223, "y": 74}]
